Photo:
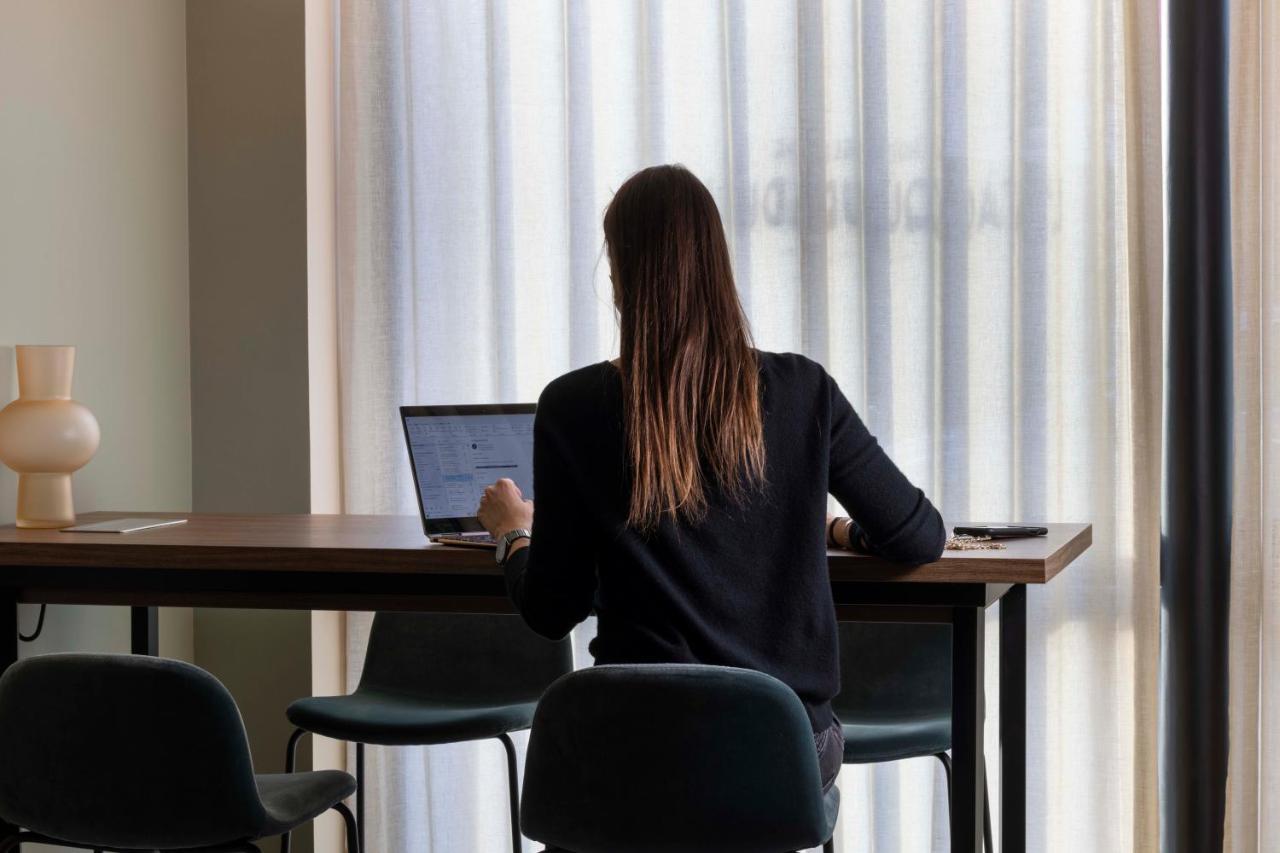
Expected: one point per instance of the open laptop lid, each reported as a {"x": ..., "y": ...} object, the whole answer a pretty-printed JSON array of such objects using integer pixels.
[{"x": 455, "y": 451}]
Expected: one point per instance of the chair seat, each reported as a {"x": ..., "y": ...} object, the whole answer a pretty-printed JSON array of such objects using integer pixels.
[
  {"x": 830, "y": 808},
  {"x": 871, "y": 741},
  {"x": 37, "y": 838},
  {"x": 292, "y": 799},
  {"x": 391, "y": 719},
  {"x": 289, "y": 799}
]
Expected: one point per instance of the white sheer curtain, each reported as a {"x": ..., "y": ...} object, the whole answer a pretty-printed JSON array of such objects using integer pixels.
[
  {"x": 1253, "y": 791},
  {"x": 953, "y": 205}
]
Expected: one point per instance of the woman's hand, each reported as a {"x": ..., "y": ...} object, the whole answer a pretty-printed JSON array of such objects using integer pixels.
[{"x": 503, "y": 509}]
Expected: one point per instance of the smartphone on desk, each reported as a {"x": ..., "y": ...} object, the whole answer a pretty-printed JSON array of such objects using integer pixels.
[{"x": 1002, "y": 531}]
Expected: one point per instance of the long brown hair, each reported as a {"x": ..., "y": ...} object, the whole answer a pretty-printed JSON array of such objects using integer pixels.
[{"x": 689, "y": 374}]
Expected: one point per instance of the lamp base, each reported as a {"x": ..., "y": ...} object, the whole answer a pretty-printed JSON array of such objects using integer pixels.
[{"x": 44, "y": 501}]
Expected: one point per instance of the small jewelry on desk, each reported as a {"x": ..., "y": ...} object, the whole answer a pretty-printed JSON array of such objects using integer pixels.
[{"x": 973, "y": 543}]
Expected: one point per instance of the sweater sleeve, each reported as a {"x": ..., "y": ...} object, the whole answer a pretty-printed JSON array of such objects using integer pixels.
[
  {"x": 552, "y": 582},
  {"x": 896, "y": 519}
]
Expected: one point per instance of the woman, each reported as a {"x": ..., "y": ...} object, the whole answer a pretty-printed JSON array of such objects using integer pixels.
[{"x": 682, "y": 489}]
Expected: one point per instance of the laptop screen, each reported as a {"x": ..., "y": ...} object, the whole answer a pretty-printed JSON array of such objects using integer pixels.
[{"x": 456, "y": 451}]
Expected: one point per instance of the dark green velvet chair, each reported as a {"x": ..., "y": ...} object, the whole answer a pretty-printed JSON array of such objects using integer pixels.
[
  {"x": 674, "y": 758},
  {"x": 438, "y": 678},
  {"x": 132, "y": 753},
  {"x": 895, "y": 695}
]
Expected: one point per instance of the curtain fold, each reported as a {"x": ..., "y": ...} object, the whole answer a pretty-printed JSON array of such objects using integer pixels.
[
  {"x": 1142, "y": 254},
  {"x": 954, "y": 206},
  {"x": 1253, "y": 790}
]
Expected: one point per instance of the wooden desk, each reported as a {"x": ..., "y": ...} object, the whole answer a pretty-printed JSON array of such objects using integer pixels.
[{"x": 323, "y": 562}]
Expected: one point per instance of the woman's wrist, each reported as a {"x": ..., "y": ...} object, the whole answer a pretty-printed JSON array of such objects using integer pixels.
[
  {"x": 831, "y": 531},
  {"x": 849, "y": 542},
  {"x": 503, "y": 529},
  {"x": 839, "y": 529}
]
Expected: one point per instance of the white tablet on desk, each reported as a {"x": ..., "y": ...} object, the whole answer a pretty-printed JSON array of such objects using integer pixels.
[{"x": 124, "y": 525}]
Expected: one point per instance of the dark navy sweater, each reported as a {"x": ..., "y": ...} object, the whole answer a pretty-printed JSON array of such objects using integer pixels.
[{"x": 747, "y": 585}]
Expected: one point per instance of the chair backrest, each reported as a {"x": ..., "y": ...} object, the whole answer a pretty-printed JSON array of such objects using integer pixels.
[
  {"x": 673, "y": 757},
  {"x": 893, "y": 670},
  {"x": 462, "y": 657},
  {"x": 124, "y": 751}
]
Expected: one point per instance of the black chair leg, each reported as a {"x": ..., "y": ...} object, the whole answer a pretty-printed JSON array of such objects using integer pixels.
[
  {"x": 290, "y": 761},
  {"x": 353, "y": 831},
  {"x": 513, "y": 789},
  {"x": 987, "y": 842},
  {"x": 360, "y": 794},
  {"x": 945, "y": 760},
  {"x": 291, "y": 751}
]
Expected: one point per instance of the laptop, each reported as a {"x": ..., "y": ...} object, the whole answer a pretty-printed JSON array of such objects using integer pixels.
[{"x": 454, "y": 452}]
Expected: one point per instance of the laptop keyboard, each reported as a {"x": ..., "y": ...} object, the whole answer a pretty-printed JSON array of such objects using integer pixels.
[{"x": 477, "y": 539}]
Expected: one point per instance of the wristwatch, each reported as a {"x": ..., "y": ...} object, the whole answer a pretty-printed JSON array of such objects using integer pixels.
[{"x": 504, "y": 544}]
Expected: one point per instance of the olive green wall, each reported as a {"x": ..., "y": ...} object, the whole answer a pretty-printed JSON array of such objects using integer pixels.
[{"x": 248, "y": 269}]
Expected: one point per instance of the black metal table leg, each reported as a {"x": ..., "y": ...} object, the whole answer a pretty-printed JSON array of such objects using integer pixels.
[
  {"x": 968, "y": 626},
  {"x": 1013, "y": 720},
  {"x": 8, "y": 628},
  {"x": 360, "y": 785},
  {"x": 144, "y": 630},
  {"x": 8, "y": 655}
]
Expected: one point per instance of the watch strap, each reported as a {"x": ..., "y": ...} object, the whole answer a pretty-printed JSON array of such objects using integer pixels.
[{"x": 508, "y": 539}]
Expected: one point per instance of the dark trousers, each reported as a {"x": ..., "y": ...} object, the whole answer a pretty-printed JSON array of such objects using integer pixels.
[{"x": 830, "y": 744}]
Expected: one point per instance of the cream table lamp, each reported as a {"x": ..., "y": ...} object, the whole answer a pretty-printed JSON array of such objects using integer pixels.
[{"x": 45, "y": 435}]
